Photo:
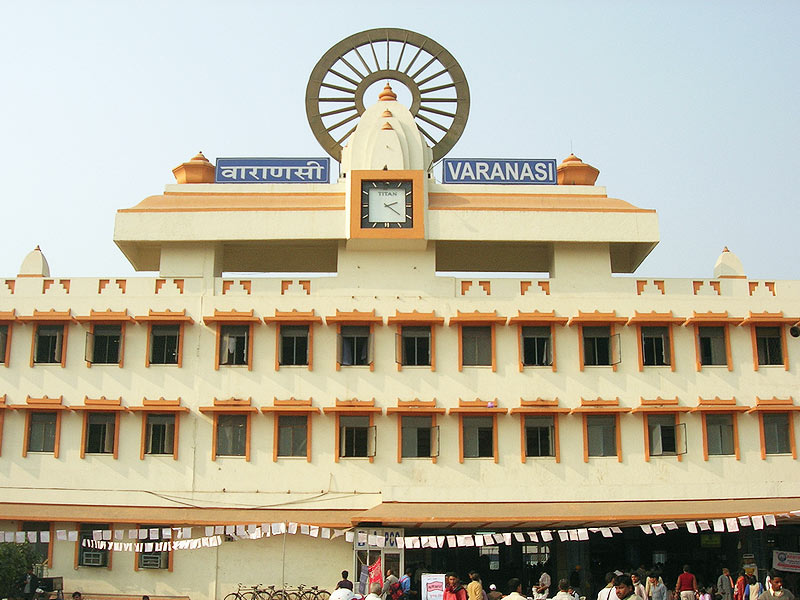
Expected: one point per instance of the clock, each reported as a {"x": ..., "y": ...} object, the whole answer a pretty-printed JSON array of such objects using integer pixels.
[{"x": 387, "y": 204}]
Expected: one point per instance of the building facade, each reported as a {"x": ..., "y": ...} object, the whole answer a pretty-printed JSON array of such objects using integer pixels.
[{"x": 309, "y": 365}]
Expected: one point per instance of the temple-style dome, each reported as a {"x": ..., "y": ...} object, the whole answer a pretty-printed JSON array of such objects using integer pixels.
[
  {"x": 34, "y": 265},
  {"x": 196, "y": 170},
  {"x": 728, "y": 265},
  {"x": 573, "y": 171}
]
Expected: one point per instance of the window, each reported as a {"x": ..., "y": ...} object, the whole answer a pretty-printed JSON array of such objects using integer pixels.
[
  {"x": 354, "y": 436},
  {"x": 601, "y": 433},
  {"x": 535, "y": 554},
  {"x": 492, "y": 554},
  {"x": 354, "y": 345},
  {"x": 294, "y": 345},
  {"x": 416, "y": 345},
  {"x": 596, "y": 346},
  {"x": 712, "y": 345},
  {"x": 662, "y": 435},
  {"x": 292, "y": 435},
  {"x": 231, "y": 435},
  {"x": 48, "y": 344},
  {"x": 417, "y": 435},
  {"x": 719, "y": 434},
  {"x": 165, "y": 344},
  {"x": 655, "y": 346},
  {"x": 159, "y": 434},
  {"x": 536, "y": 347},
  {"x": 478, "y": 435},
  {"x": 153, "y": 555},
  {"x": 3, "y": 343},
  {"x": 233, "y": 341},
  {"x": 41, "y": 547},
  {"x": 42, "y": 432},
  {"x": 91, "y": 557},
  {"x": 476, "y": 345},
  {"x": 776, "y": 433},
  {"x": 100, "y": 432},
  {"x": 540, "y": 436},
  {"x": 103, "y": 345},
  {"x": 769, "y": 346}
]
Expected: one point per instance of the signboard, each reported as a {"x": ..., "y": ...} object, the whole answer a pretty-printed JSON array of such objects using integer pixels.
[
  {"x": 377, "y": 537},
  {"x": 786, "y": 561},
  {"x": 500, "y": 171},
  {"x": 432, "y": 586},
  {"x": 272, "y": 170}
]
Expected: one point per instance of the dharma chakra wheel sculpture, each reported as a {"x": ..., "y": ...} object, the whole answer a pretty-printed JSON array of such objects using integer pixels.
[{"x": 439, "y": 90}]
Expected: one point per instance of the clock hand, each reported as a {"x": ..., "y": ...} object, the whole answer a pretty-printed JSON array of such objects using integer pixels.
[{"x": 392, "y": 208}]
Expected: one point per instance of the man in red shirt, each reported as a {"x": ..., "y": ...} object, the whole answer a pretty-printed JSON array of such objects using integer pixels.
[
  {"x": 454, "y": 589},
  {"x": 687, "y": 584}
]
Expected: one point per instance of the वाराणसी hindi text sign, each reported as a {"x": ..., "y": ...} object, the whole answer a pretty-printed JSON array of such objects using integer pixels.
[
  {"x": 272, "y": 170},
  {"x": 500, "y": 171}
]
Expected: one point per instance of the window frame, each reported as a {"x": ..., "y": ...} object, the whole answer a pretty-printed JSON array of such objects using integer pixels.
[
  {"x": 232, "y": 406},
  {"x": 415, "y": 319},
  {"x": 370, "y": 350},
  {"x": 712, "y": 319},
  {"x": 170, "y": 553},
  {"x": 280, "y": 346},
  {"x": 553, "y": 428},
  {"x": 782, "y": 336},
  {"x": 167, "y": 317},
  {"x": 294, "y": 317},
  {"x": 598, "y": 319},
  {"x": 56, "y": 430},
  {"x": 539, "y": 408},
  {"x": 87, "y": 414},
  {"x": 601, "y": 407},
  {"x": 92, "y": 335},
  {"x": 87, "y": 529},
  {"x": 50, "y": 528},
  {"x": 417, "y": 408},
  {"x": 775, "y": 405},
  {"x": 247, "y": 329},
  {"x": 720, "y": 406},
  {"x": 477, "y": 408},
  {"x": 37, "y": 405},
  {"x": 233, "y": 318},
  {"x": 654, "y": 319},
  {"x": 277, "y": 435},
  {"x": 355, "y": 318},
  {"x": 477, "y": 319},
  {"x": 6, "y": 321},
  {"x": 537, "y": 319},
  {"x": 61, "y": 357},
  {"x": 355, "y": 408},
  {"x": 216, "y": 437},
  {"x": 160, "y": 406},
  {"x": 406, "y": 332}
]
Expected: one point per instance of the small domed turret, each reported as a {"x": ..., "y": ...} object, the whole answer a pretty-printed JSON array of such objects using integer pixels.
[
  {"x": 196, "y": 170},
  {"x": 573, "y": 171},
  {"x": 34, "y": 265},
  {"x": 728, "y": 265}
]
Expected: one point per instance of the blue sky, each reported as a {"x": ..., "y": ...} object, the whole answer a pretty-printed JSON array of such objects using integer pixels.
[{"x": 690, "y": 108}]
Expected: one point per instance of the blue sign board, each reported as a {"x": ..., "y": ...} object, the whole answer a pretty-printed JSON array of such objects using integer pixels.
[
  {"x": 273, "y": 170},
  {"x": 500, "y": 171}
]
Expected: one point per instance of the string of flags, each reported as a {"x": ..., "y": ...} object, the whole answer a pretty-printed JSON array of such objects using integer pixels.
[{"x": 159, "y": 539}]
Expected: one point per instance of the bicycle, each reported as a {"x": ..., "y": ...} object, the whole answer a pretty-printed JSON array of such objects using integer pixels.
[
  {"x": 239, "y": 594},
  {"x": 269, "y": 592}
]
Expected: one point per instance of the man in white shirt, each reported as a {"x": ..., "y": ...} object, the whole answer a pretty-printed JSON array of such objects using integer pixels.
[
  {"x": 608, "y": 592},
  {"x": 514, "y": 590},
  {"x": 374, "y": 592},
  {"x": 543, "y": 588},
  {"x": 563, "y": 591}
]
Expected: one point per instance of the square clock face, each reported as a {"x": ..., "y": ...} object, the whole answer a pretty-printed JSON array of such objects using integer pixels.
[{"x": 387, "y": 204}]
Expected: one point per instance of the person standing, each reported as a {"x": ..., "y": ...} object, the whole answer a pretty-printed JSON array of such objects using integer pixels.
[
  {"x": 453, "y": 589},
  {"x": 474, "y": 587},
  {"x": 494, "y": 594},
  {"x": 638, "y": 588},
  {"x": 543, "y": 587},
  {"x": 754, "y": 588},
  {"x": 563, "y": 591},
  {"x": 405, "y": 583},
  {"x": 608, "y": 592},
  {"x": 687, "y": 585},
  {"x": 391, "y": 579},
  {"x": 514, "y": 590},
  {"x": 738, "y": 588},
  {"x": 624, "y": 587},
  {"x": 778, "y": 592},
  {"x": 345, "y": 582},
  {"x": 575, "y": 580},
  {"x": 658, "y": 591},
  {"x": 374, "y": 592},
  {"x": 29, "y": 582},
  {"x": 725, "y": 585}
]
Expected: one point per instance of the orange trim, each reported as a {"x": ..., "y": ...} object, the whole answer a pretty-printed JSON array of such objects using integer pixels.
[
  {"x": 293, "y": 317},
  {"x": 519, "y": 348},
  {"x": 530, "y": 202},
  {"x": 774, "y": 404},
  {"x": 612, "y": 332},
  {"x": 646, "y": 424},
  {"x": 143, "y": 438},
  {"x": 728, "y": 356},
  {"x": 494, "y": 348},
  {"x": 415, "y": 407},
  {"x": 2, "y": 421},
  {"x": 399, "y": 438},
  {"x": 460, "y": 347},
  {"x": 181, "y": 329},
  {"x": 581, "y": 360},
  {"x": 308, "y": 438},
  {"x": 26, "y": 434},
  {"x": 712, "y": 318},
  {"x": 544, "y": 286},
  {"x": 761, "y": 440},
  {"x": 557, "y": 443},
  {"x": 461, "y": 438},
  {"x": 672, "y": 357},
  {"x": 791, "y": 436},
  {"x": 231, "y": 316},
  {"x": 768, "y": 318},
  {"x": 600, "y": 406},
  {"x": 48, "y": 316},
  {"x": 597, "y": 317},
  {"x": 705, "y": 436},
  {"x": 539, "y": 406},
  {"x": 619, "y": 437},
  {"x": 354, "y": 316},
  {"x": 83, "y": 434},
  {"x": 639, "y": 355},
  {"x": 371, "y": 346},
  {"x": 250, "y": 347},
  {"x": 477, "y": 406},
  {"x": 494, "y": 439},
  {"x": 736, "y": 436},
  {"x": 784, "y": 349},
  {"x": 677, "y": 422},
  {"x": 718, "y": 404},
  {"x": 214, "y": 437},
  {"x": 536, "y": 317},
  {"x": 175, "y": 434},
  {"x": 337, "y": 440},
  {"x": 353, "y": 406},
  {"x": 697, "y": 361},
  {"x": 660, "y": 405},
  {"x": 553, "y": 346},
  {"x": 416, "y": 231},
  {"x": 754, "y": 343},
  {"x": 121, "y": 362},
  {"x": 148, "y": 346},
  {"x": 217, "y": 341},
  {"x": 7, "y": 353},
  {"x": 278, "y": 346},
  {"x": 476, "y": 317},
  {"x": 523, "y": 287},
  {"x": 585, "y": 439},
  {"x": 167, "y": 316},
  {"x": 105, "y": 316},
  {"x": 116, "y": 434},
  {"x": 57, "y": 441},
  {"x": 247, "y": 438}
]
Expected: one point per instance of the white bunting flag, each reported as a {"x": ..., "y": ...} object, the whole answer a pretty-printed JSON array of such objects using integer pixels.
[
  {"x": 61, "y": 535},
  {"x": 19, "y": 537},
  {"x": 372, "y": 540},
  {"x": 479, "y": 540},
  {"x": 119, "y": 534},
  {"x": 719, "y": 524},
  {"x": 451, "y": 541},
  {"x": 240, "y": 531},
  {"x": 507, "y": 539},
  {"x": 337, "y": 533},
  {"x": 325, "y": 533},
  {"x": 691, "y": 526},
  {"x": 153, "y": 534},
  {"x": 563, "y": 535},
  {"x": 770, "y": 520},
  {"x": 8, "y": 536},
  {"x": 304, "y": 529},
  {"x": 210, "y": 530},
  {"x": 658, "y": 528},
  {"x": 497, "y": 538},
  {"x": 606, "y": 532},
  {"x": 276, "y": 528},
  {"x": 461, "y": 540},
  {"x": 647, "y": 529},
  {"x": 583, "y": 534},
  {"x": 166, "y": 533},
  {"x": 547, "y": 536},
  {"x": 141, "y": 534},
  {"x": 532, "y": 536},
  {"x": 219, "y": 529},
  {"x": 469, "y": 541},
  {"x": 362, "y": 537},
  {"x": 97, "y": 534},
  {"x": 744, "y": 521},
  {"x": 520, "y": 537},
  {"x": 292, "y": 528},
  {"x": 440, "y": 541},
  {"x": 401, "y": 541},
  {"x": 488, "y": 539},
  {"x": 703, "y": 525},
  {"x": 573, "y": 535},
  {"x": 413, "y": 540},
  {"x": 349, "y": 536},
  {"x": 251, "y": 529},
  {"x": 313, "y": 531},
  {"x": 758, "y": 521},
  {"x": 732, "y": 524},
  {"x": 31, "y": 535},
  {"x": 671, "y": 525},
  {"x": 72, "y": 536},
  {"x": 616, "y": 530}
]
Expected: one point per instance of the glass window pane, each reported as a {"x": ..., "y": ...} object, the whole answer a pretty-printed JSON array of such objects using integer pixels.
[
  {"x": 48, "y": 344},
  {"x": 536, "y": 346},
  {"x": 539, "y": 436},
  {"x": 233, "y": 344},
  {"x": 231, "y": 435},
  {"x": 107, "y": 340},
  {"x": 164, "y": 344},
  {"x": 776, "y": 433},
  {"x": 719, "y": 430},
  {"x": 602, "y": 435},
  {"x": 294, "y": 345},
  {"x": 596, "y": 346},
  {"x": 292, "y": 435},
  {"x": 42, "y": 433},
  {"x": 661, "y": 434},
  {"x": 354, "y": 342},
  {"x": 768, "y": 346},
  {"x": 416, "y": 342},
  {"x": 416, "y": 436},
  {"x": 160, "y": 434},
  {"x": 655, "y": 346},
  {"x": 476, "y": 346},
  {"x": 712, "y": 346},
  {"x": 100, "y": 433},
  {"x": 478, "y": 437},
  {"x": 354, "y": 436}
]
